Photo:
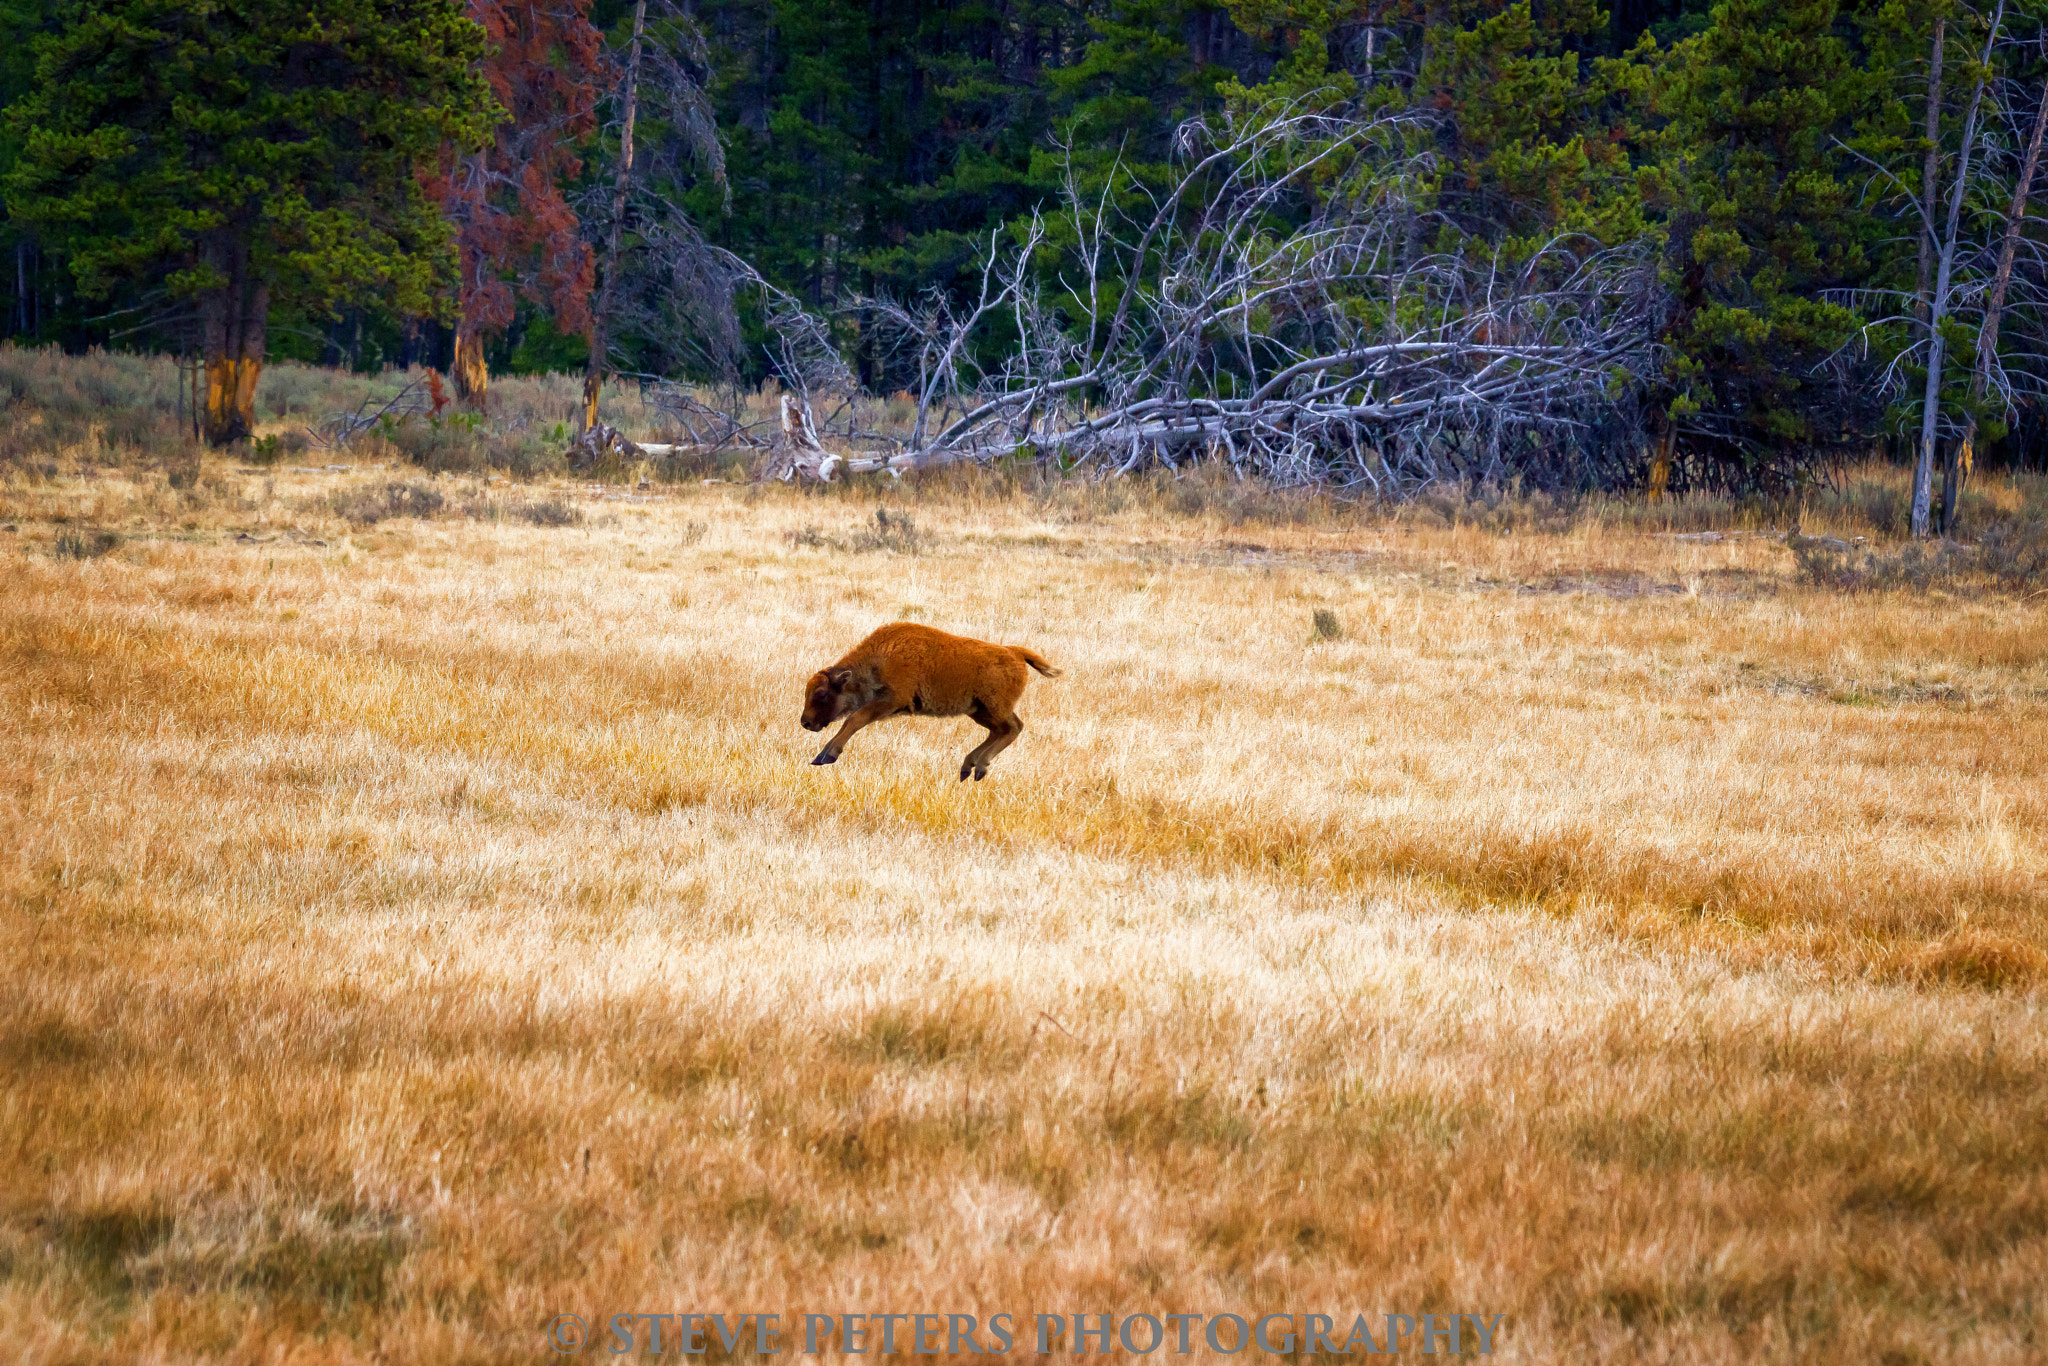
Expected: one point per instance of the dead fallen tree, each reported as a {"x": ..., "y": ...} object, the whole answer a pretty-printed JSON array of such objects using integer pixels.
[
  {"x": 1302, "y": 336},
  {"x": 1273, "y": 307}
]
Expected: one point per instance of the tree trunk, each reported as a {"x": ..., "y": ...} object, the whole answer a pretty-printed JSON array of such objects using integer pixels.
[
  {"x": 1923, "y": 302},
  {"x": 1930, "y": 413},
  {"x": 1957, "y": 471},
  {"x": 600, "y": 322},
  {"x": 472, "y": 376},
  {"x": 1930, "y": 170},
  {"x": 799, "y": 452},
  {"x": 1660, "y": 464},
  {"x": 1955, "y": 468},
  {"x": 232, "y": 323}
]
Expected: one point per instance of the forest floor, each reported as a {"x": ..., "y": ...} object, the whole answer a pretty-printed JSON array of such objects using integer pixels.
[{"x": 421, "y": 922}]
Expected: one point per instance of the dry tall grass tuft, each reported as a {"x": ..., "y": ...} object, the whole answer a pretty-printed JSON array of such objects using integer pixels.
[{"x": 417, "y": 929}]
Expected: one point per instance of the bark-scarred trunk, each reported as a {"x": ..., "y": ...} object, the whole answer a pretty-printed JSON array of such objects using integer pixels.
[
  {"x": 471, "y": 375},
  {"x": 232, "y": 322},
  {"x": 1660, "y": 462}
]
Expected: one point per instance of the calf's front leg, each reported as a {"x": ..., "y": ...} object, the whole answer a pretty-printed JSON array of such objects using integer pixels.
[{"x": 873, "y": 711}]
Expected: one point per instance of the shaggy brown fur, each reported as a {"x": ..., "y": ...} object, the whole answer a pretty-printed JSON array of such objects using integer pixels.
[{"x": 907, "y": 668}]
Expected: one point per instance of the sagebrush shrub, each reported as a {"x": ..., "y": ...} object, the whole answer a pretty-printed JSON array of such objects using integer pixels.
[
  {"x": 555, "y": 512},
  {"x": 85, "y": 544},
  {"x": 366, "y": 505}
]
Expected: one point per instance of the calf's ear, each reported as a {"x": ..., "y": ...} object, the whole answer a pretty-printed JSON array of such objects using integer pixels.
[{"x": 839, "y": 678}]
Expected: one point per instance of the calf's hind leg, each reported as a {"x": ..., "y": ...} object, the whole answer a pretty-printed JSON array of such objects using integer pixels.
[{"x": 1003, "y": 729}]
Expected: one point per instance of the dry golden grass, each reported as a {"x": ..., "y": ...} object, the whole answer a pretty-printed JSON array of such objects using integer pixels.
[{"x": 415, "y": 932}]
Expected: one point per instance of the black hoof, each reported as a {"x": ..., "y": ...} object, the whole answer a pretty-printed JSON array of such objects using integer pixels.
[
  {"x": 979, "y": 774},
  {"x": 825, "y": 759}
]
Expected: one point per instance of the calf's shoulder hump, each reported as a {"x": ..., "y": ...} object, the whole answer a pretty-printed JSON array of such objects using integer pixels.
[{"x": 899, "y": 633}]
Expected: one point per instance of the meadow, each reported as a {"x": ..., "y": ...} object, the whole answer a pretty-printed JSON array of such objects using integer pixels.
[{"x": 421, "y": 918}]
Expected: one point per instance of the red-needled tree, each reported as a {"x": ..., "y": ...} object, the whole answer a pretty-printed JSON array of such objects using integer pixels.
[{"x": 515, "y": 230}]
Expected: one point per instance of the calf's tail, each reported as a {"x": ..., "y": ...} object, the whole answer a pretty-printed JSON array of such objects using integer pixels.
[{"x": 1035, "y": 660}]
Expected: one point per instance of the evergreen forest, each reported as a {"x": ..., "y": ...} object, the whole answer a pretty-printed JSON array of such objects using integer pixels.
[{"x": 1365, "y": 244}]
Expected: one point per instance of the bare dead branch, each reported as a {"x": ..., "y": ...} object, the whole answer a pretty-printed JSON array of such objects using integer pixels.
[{"x": 1299, "y": 337}]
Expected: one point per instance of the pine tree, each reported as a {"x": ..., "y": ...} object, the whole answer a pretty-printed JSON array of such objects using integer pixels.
[
  {"x": 1761, "y": 224},
  {"x": 1536, "y": 141},
  {"x": 236, "y": 157}
]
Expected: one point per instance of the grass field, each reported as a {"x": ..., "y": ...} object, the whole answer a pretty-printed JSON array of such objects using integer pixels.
[{"x": 417, "y": 928}]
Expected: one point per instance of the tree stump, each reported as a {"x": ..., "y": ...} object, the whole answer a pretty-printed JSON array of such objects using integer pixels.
[{"x": 798, "y": 451}]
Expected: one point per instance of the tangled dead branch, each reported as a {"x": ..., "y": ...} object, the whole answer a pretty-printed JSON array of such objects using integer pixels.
[
  {"x": 342, "y": 428},
  {"x": 1273, "y": 307},
  {"x": 708, "y": 428}
]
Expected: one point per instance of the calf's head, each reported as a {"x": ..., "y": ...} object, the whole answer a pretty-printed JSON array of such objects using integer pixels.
[{"x": 827, "y": 697}]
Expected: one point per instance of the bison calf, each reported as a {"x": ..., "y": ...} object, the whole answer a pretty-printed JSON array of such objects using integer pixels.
[{"x": 906, "y": 668}]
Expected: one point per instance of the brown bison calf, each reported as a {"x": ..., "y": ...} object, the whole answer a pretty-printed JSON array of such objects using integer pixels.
[{"x": 906, "y": 668}]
